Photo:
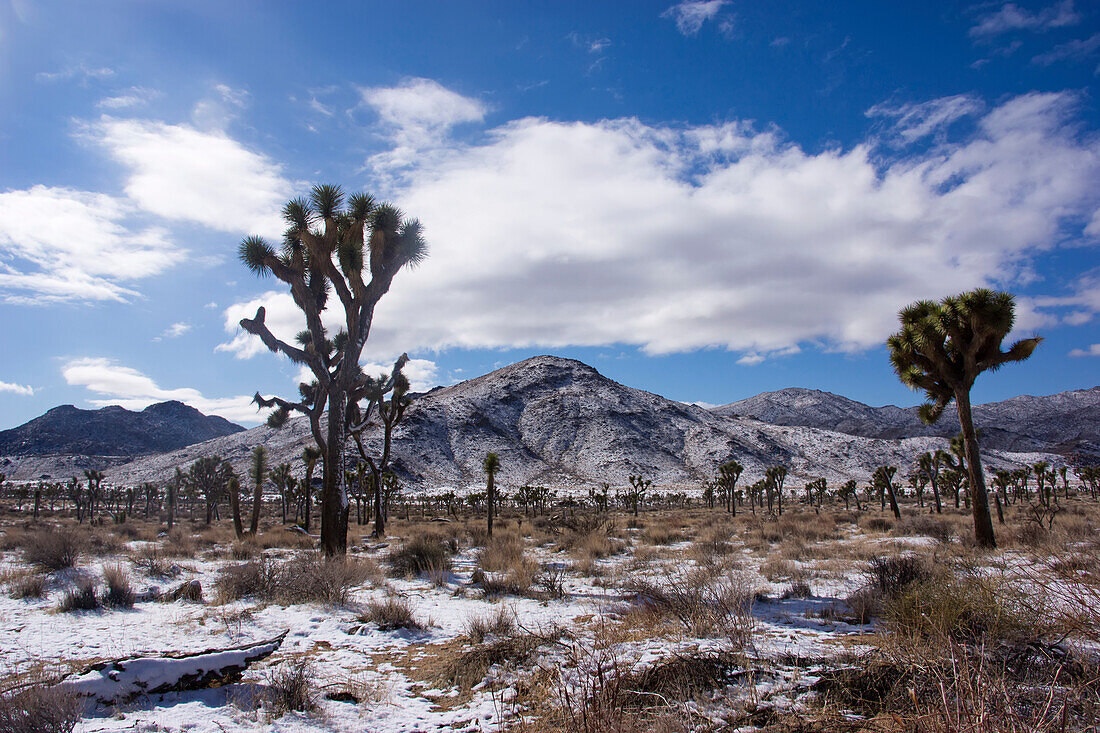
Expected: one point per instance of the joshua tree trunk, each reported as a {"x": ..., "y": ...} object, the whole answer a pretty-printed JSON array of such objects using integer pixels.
[
  {"x": 235, "y": 507},
  {"x": 983, "y": 523},
  {"x": 334, "y": 497},
  {"x": 490, "y": 498}
]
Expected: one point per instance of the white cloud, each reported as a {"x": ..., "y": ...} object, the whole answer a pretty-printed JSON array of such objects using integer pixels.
[
  {"x": 417, "y": 115},
  {"x": 1076, "y": 50},
  {"x": 422, "y": 374},
  {"x": 1011, "y": 17},
  {"x": 19, "y": 389},
  {"x": 180, "y": 172},
  {"x": 122, "y": 385},
  {"x": 914, "y": 121},
  {"x": 176, "y": 330},
  {"x": 132, "y": 97},
  {"x": 555, "y": 234},
  {"x": 58, "y": 244},
  {"x": 690, "y": 15},
  {"x": 1093, "y": 350},
  {"x": 80, "y": 72}
]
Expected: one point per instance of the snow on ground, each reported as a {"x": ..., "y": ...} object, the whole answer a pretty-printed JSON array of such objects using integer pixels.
[{"x": 790, "y": 636}]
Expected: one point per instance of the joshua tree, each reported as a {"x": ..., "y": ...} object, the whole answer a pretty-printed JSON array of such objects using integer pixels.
[
  {"x": 776, "y": 475},
  {"x": 491, "y": 466},
  {"x": 281, "y": 477},
  {"x": 848, "y": 490},
  {"x": 390, "y": 412},
  {"x": 326, "y": 250},
  {"x": 233, "y": 486},
  {"x": 258, "y": 472},
  {"x": 310, "y": 455},
  {"x": 815, "y": 491},
  {"x": 173, "y": 496},
  {"x": 638, "y": 487},
  {"x": 728, "y": 474},
  {"x": 941, "y": 349},
  {"x": 883, "y": 481},
  {"x": 210, "y": 477},
  {"x": 95, "y": 478},
  {"x": 929, "y": 465}
]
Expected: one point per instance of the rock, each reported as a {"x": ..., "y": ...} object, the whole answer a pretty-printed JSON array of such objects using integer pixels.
[{"x": 189, "y": 590}]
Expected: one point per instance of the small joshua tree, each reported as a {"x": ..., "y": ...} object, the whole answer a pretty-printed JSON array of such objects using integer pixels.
[
  {"x": 728, "y": 474},
  {"x": 638, "y": 488},
  {"x": 491, "y": 466},
  {"x": 941, "y": 349},
  {"x": 326, "y": 250},
  {"x": 776, "y": 475},
  {"x": 883, "y": 481},
  {"x": 258, "y": 473}
]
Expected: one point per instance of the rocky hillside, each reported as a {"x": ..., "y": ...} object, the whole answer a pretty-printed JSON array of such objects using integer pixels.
[
  {"x": 559, "y": 422},
  {"x": 113, "y": 431},
  {"x": 1060, "y": 423}
]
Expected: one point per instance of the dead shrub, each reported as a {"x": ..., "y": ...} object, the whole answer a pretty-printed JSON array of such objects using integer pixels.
[
  {"x": 52, "y": 549},
  {"x": 391, "y": 614},
  {"x": 706, "y": 604},
  {"x": 39, "y": 709},
  {"x": 180, "y": 543},
  {"x": 152, "y": 561},
  {"x": 469, "y": 668},
  {"x": 964, "y": 608},
  {"x": 504, "y": 569},
  {"x": 422, "y": 554},
  {"x": 291, "y": 687},
  {"x": 873, "y": 523},
  {"x": 101, "y": 543},
  {"x": 712, "y": 544},
  {"x": 119, "y": 593},
  {"x": 29, "y": 586},
  {"x": 500, "y": 623},
  {"x": 79, "y": 597},
  {"x": 777, "y": 569},
  {"x": 243, "y": 550},
  {"x": 661, "y": 534},
  {"x": 924, "y": 525},
  {"x": 304, "y": 579}
]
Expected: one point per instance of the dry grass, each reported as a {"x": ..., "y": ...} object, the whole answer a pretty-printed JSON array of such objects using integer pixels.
[
  {"x": 503, "y": 567},
  {"x": 39, "y": 709},
  {"x": 303, "y": 579},
  {"x": 502, "y": 622},
  {"x": 395, "y": 612},
  {"x": 80, "y": 597},
  {"x": 423, "y": 554},
  {"x": 291, "y": 687},
  {"x": 704, "y": 603},
  {"x": 28, "y": 586},
  {"x": 52, "y": 549},
  {"x": 119, "y": 593}
]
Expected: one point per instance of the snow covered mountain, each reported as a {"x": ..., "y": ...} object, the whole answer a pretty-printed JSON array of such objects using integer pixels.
[
  {"x": 1061, "y": 423},
  {"x": 558, "y": 422}
]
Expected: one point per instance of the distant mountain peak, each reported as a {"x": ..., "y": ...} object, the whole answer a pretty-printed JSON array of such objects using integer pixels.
[{"x": 114, "y": 431}]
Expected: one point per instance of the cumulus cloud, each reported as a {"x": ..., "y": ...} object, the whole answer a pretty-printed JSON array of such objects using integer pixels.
[
  {"x": 690, "y": 15},
  {"x": 675, "y": 239},
  {"x": 180, "y": 172},
  {"x": 128, "y": 387},
  {"x": 1011, "y": 17},
  {"x": 19, "y": 389},
  {"x": 1093, "y": 350},
  {"x": 417, "y": 116},
  {"x": 914, "y": 121},
  {"x": 59, "y": 244}
]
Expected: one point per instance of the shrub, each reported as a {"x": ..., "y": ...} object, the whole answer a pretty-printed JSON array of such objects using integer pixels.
[
  {"x": 393, "y": 613},
  {"x": 39, "y": 709},
  {"x": 500, "y": 623},
  {"x": 924, "y": 525},
  {"x": 29, "y": 586},
  {"x": 422, "y": 554},
  {"x": 304, "y": 579},
  {"x": 291, "y": 687},
  {"x": 503, "y": 568},
  {"x": 660, "y": 534},
  {"x": 80, "y": 597},
  {"x": 892, "y": 575},
  {"x": 967, "y": 608},
  {"x": 119, "y": 593},
  {"x": 52, "y": 549},
  {"x": 152, "y": 561},
  {"x": 101, "y": 543},
  {"x": 180, "y": 544},
  {"x": 705, "y": 604}
]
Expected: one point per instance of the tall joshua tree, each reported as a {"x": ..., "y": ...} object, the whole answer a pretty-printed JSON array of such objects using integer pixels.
[
  {"x": 259, "y": 475},
  {"x": 352, "y": 247},
  {"x": 941, "y": 349},
  {"x": 491, "y": 466},
  {"x": 310, "y": 455}
]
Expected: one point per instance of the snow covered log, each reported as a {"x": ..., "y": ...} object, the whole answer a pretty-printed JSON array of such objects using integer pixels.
[{"x": 121, "y": 680}]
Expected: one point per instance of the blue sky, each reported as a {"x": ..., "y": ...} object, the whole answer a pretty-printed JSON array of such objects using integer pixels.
[{"x": 706, "y": 199}]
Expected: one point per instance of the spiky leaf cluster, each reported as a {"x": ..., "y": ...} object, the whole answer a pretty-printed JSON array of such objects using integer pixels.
[{"x": 942, "y": 347}]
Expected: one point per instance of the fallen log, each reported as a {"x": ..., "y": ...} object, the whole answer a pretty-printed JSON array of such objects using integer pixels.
[{"x": 110, "y": 683}]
